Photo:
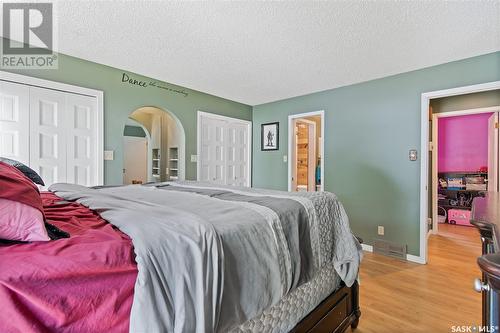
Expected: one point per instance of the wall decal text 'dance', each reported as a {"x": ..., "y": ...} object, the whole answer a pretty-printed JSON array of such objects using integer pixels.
[{"x": 126, "y": 78}]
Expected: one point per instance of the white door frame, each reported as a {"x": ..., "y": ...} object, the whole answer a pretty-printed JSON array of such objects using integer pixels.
[
  {"x": 424, "y": 151},
  {"x": 53, "y": 85},
  {"x": 435, "y": 147},
  {"x": 291, "y": 119},
  {"x": 234, "y": 120}
]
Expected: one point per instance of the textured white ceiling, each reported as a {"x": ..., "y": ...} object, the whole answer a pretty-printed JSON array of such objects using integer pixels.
[{"x": 257, "y": 52}]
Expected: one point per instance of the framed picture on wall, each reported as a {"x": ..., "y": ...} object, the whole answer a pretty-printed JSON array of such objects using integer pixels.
[{"x": 270, "y": 136}]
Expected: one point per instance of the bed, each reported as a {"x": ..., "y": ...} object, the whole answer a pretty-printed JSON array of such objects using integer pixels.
[{"x": 184, "y": 257}]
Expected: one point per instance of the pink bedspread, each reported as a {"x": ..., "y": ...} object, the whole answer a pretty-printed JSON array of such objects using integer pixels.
[{"x": 84, "y": 283}]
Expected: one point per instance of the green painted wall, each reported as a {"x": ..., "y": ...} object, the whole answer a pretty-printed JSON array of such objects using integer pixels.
[
  {"x": 134, "y": 131},
  {"x": 121, "y": 99},
  {"x": 369, "y": 128}
]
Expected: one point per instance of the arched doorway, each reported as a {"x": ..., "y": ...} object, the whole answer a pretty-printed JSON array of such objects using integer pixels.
[{"x": 154, "y": 147}]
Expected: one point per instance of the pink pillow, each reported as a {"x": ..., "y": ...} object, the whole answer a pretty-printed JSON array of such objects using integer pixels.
[{"x": 21, "y": 222}]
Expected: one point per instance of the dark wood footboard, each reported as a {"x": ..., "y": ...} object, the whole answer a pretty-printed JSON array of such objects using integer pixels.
[
  {"x": 335, "y": 314},
  {"x": 486, "y": 217}
]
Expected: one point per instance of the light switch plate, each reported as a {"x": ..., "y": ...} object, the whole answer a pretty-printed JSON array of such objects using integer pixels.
[
  {"x": 109, "y": 155},
  {"x": 380, "y": 230},
  {"x": 194, "y": 158},
  {"x": 413, "y": 155},
  {"x": 285, "y": 158}
]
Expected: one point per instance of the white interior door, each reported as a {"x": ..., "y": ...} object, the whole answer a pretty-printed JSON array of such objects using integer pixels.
[
  {"x": 237, "y": 154},
  {"x": 14, "y": 121},
  {"x": 48, "y": 134},
  {"x": 223, "y": 150},
  {"x": 212, "y": 154},
  {"x": 493, "y": 152},
  {"x": 135, "y": 159},
  {"x": 81, "y": 114}
]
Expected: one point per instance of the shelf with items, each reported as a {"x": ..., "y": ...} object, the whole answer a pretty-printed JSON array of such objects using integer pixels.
[
  {"x": 156, "y": 157},
  {"x": 173, "y": 163},
  {"x": 463, "y": 181},
  {"x": 458, "y": 199},
  {"x": 457, "y": 189},
  {"x": 454, "y": 207}
]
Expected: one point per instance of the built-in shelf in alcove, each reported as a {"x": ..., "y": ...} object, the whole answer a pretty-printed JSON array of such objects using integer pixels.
[
  {"x": 173, "y": 163},
  {"x": 156, "y": 162}
]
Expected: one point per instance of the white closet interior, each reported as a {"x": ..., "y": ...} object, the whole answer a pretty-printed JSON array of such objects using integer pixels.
[
  {"x": 224, "y": 150},
  {"x": 56, "y": 132}
]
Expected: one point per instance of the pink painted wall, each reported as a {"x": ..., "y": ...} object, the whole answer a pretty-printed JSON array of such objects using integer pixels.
[{"x": 463, "y": 142}]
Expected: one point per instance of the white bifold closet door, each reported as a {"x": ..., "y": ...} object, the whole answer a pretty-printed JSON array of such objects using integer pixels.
[
  {"x": 223, "y": 150},
  {"x": 82, "y": 139},
  {"x": 237, "y": 154},
  {"x": 14, "y": 121},
  {"x": 48, "y": 134},
  {"x": 54, "y": 132},
  {"x": 213, "y": 151}
]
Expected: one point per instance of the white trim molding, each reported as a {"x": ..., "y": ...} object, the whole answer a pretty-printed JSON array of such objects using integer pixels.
[
  {"x": 424, "y": 149},
  {"x": 367, "y": 248},
  {"x": 98, "y": 94},
  {"x": 409, "y": 257},
  {"x": 415, "y": 259},
  {"x": 291, "y": 117}
]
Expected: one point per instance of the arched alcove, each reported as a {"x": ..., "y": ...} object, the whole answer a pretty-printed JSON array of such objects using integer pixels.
[{"x": 164, "y": 137}]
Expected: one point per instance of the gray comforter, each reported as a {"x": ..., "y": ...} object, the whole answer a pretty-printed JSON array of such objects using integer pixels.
[{"x": 210, "y": 258}]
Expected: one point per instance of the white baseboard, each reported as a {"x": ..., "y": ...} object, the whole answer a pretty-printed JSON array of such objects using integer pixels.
[
  {"x": 416, "y": 259},
  {"x": 367, "y": 248},
  {"x": 409, "y": 257}
]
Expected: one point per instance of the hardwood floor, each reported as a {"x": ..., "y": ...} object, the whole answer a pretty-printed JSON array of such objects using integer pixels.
[{"x": 399, "y": 296}]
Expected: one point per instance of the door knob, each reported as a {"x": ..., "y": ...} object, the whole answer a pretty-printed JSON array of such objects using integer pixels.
[{"x": 479, "y": 286}]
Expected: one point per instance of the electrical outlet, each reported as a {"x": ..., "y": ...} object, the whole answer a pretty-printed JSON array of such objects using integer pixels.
[
  {"x": 380, "y": 230},
  {"x": 109, "y": 155}
]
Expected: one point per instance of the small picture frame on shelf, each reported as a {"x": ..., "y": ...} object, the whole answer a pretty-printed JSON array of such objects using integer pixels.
[{"x": 269, "y": 136}]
